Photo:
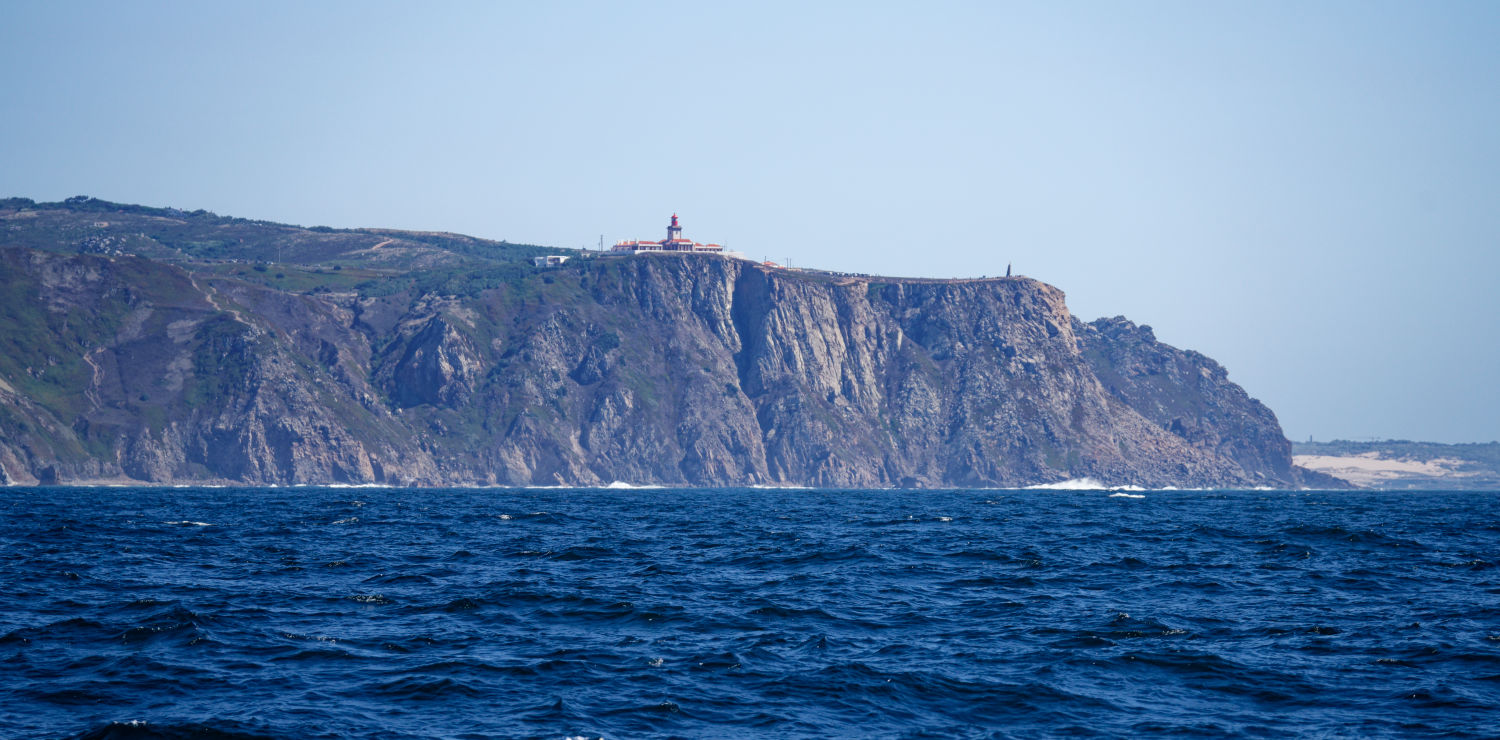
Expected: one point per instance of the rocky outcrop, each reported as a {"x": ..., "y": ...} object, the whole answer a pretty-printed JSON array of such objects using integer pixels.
[
  {"x": 1186, "y": 394},
  {"x": 684, "y": 370},
  {"x": 1190, "y": 395},
  {"x": 433, "y": 363}
]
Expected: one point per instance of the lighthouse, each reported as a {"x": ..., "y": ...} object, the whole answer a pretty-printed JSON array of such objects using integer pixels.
[{"x": 673, "y": 243}]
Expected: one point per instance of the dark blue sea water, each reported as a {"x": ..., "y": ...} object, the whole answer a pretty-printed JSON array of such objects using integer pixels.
[{"x": 317, "y": 613}]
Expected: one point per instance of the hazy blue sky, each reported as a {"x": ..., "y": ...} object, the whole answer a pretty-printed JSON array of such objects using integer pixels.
[{"x": 1308, "y": 192}]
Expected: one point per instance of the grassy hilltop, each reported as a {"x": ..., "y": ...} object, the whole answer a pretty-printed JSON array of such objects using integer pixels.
[{"x": 294, "y": 258}]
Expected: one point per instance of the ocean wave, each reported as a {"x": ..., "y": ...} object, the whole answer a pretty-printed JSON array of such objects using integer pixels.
[
  {"x": 138, "y": 729},
  {"x": 1074, "y": 484},
  {"x": 1081, "y": 484},
  {"x": 747, "y": 613}
]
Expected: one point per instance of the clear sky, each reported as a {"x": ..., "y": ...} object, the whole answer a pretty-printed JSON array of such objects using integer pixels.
[{"x": 1308, "y": 192}]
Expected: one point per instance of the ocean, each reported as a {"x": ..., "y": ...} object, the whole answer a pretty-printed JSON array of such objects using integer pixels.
[{"x": 740, "y": 613}]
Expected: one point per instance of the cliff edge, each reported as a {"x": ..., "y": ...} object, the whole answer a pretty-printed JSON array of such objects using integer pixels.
[{"x": 468, "y": 369}]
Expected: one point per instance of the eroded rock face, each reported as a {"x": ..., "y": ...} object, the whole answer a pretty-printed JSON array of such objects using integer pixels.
[
  {"x": 1184, "y": 393},
  {"x": 688, "y": 370},
  {"x": 436, "y": 364},
  {"x": 1190, "y": 395}
]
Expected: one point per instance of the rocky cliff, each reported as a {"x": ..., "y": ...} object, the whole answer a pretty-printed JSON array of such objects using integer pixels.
[{"x": 682, "y": 370}]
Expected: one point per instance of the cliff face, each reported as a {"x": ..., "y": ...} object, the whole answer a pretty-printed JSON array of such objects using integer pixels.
[
  {"x": 1185, "y": 393},
  {"x": 1190, "y": 396},
  {"x": 689, "y": 370}
]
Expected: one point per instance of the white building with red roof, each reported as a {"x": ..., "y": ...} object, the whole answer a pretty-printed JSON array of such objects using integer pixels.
[{"x": 673, "y": 243}]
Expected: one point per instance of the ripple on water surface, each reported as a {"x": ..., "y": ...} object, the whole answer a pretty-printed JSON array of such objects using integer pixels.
[{"x": 163, "y": 613}]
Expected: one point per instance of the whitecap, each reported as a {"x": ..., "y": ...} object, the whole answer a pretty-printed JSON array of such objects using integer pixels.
[
  {"x": 187, "y": 523},
  {"x": 622, "y": 484},
  {"x": 1075, "y": 484},
  {"x": 1126, "y": 495}
]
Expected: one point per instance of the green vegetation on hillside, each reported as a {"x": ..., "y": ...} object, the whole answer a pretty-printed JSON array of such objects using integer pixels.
[{"x": 196, "y": 239}]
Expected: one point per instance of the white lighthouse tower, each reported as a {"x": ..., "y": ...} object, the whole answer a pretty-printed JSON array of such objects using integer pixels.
[{"x": 674, "y": 232}]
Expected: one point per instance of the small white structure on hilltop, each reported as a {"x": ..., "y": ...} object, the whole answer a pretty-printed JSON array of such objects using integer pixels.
[
  {"x": 551, "y": 260},
  {"x": 673, "y": 243}
]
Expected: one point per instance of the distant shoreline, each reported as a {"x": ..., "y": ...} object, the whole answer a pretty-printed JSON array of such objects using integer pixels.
[{"x": 1403, "y": 464}]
